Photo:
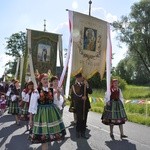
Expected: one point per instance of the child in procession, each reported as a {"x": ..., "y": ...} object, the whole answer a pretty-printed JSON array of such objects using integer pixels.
[
  {"x": 114, "y": 112},
  {"x": 45, "y": 117},
  {"x": 58, "y": 94},
  {"x": 2, "y": 104}
]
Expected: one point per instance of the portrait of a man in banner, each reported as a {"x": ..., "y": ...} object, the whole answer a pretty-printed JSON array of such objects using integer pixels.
[
  {"x": 89, "y": 39},
  {"x": 43, "y": 52}
]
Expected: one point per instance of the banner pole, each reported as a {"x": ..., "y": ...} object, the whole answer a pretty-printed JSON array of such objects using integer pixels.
[
  {"x": 44, "y": 25},
  {"x": 90, "y": 3}
]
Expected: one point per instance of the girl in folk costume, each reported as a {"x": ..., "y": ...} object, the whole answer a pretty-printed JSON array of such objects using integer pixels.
[
  {"x": 26, "y": 95},
  {"x": 10, "y": 87},
  {"x": 58, "y": 94},
  {"x": 2, "y": 104},
  {"x": 114, "y": 113},
  {"x": 14, "y": 101},
  {"x": 44, "y": 115}
]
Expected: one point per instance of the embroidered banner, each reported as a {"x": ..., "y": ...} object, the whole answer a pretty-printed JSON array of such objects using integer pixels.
[
  {"x": 89, "y": 45},
  {"x": 42, "y": 52}
]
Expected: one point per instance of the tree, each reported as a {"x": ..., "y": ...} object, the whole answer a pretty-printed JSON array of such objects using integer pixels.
[
  {"x": 132, "y": 70},
  {"x": 16, "y": 46},
  {"x": 134, "y": 31},
  {"x": 125, "y": 69}
]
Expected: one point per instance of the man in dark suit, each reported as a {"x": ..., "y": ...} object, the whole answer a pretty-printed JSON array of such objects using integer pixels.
[{"x": 79, "y": 94}]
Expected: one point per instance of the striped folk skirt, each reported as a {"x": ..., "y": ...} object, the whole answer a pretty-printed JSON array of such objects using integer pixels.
[
  {"x": 48, "y": 125},
  {"x": 25, "y": 108},
  {"x": 13, "y": 108},
  {"x": 24, "y": 111},
  {"x": 114, "y": 114}
]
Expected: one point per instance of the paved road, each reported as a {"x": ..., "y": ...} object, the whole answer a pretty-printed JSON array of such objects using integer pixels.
[{"x": 13, "y": 137}]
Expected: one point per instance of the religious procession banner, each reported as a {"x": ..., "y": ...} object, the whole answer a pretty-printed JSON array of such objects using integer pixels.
[
  {"x": 89, "y": 41},
  {"x": 42, "y": 51}
]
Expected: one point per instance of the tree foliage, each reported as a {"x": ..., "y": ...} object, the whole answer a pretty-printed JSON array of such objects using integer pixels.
[
  {"x": 125, "y": 69},
  {"x": 134, "y": 31},
  {"x": 16, "y": 45},
  {"x": 133, "y": 71}
]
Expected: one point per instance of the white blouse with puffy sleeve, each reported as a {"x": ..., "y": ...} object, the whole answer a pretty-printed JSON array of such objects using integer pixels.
[
  {"x": 25, "y": 96},
  {"x": 107, "y": 96},
  {"x": 34, "y": 102}
]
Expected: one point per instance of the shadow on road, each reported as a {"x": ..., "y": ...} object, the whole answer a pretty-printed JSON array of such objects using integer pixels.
[
  {"x": 6, "y": 132},
  {"x": 7, "y": 118},
  {"x": 120, "y": 145},
  {"x": 19, "y": 142},
  {"x": 81, "y": 142}
]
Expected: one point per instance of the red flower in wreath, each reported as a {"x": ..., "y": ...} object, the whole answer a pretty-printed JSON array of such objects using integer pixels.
[
  {"x": 50, "y": 95},
  {"x": 42, "y": 96}
]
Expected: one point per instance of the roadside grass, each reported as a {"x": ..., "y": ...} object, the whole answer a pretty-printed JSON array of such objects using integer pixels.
[
  {"x": 136, "y": 92},
  {"x": 141, "y": 109},
  {"x": 137, "y": 118}
]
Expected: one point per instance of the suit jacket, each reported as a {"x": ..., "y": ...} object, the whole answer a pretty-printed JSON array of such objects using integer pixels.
[{"x": 77, "y": 92}]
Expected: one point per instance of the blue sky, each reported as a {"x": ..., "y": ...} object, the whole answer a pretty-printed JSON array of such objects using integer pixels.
[{"x": 19, "y": 15}]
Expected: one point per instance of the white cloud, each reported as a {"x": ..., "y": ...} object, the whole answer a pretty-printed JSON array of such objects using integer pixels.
[
  {"x": 75, "y": 5},
  {"x": 101, "y": 13},
  {"x": 61, "y": 26},
  {"x": 4, "y": 59},
  {"x": 110, "y": 18},
  {"x": 99, "y": 9}
]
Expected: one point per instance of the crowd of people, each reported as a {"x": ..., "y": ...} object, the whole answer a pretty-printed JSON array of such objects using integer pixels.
[{"x": 42, "y": 108}]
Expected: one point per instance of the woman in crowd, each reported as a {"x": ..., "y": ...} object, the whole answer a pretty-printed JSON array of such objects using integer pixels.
[
  {"x": 26, "y": 95},
  {"x": 45, "y": 117},
  {"x": 114, "y": 113},
  {"x": 58, "y": 94},
  {"x": 2, "y": 104},
  {"x": 14, "y": 101}
]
